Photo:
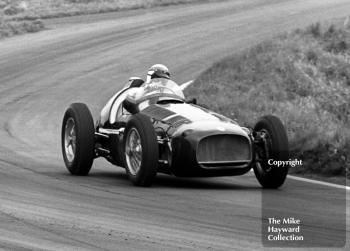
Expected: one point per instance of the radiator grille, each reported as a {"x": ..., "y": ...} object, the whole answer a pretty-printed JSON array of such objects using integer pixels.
[{"x": 223, "y": 149}]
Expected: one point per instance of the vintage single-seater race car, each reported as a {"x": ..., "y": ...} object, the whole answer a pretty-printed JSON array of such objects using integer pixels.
[{"x": 161, "y": 131}]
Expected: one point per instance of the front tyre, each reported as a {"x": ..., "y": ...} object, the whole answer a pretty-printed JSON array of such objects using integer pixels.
[
  {"x": 77, "y": 139},
  {"x": 272, "y": 144},
  {"x": 141, "y": 150}
]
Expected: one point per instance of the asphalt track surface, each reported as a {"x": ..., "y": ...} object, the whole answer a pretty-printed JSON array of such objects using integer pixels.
[{"x": 87, "y": 59}]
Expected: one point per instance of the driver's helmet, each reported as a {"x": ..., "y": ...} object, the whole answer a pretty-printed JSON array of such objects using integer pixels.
[{"x": 157, "y": 71}]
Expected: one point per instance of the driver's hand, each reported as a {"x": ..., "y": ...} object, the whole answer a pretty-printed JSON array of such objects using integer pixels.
[{"x": 192, "y": 101}]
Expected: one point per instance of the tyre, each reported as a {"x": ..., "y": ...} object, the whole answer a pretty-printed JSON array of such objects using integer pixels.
[
  {"x": 77, "y": 137},
  {"x": 141, "y": 150},
  {"x": 273, "y": 145}
]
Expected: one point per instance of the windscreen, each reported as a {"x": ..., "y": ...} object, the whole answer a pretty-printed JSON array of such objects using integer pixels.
[{"x": 160, "y": 85}]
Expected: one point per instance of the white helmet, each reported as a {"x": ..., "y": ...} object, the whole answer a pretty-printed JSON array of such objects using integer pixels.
[{"x": 158, "y": 71}]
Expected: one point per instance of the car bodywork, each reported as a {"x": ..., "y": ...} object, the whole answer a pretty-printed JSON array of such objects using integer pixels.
[
  {"x": 193, "y": 141},
  {"x": 151, "y": 128}
]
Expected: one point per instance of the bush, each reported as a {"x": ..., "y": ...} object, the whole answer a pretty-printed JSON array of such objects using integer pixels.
[
  {"x": 2, "y": 4},
  {"x": 314, "y": 30},
  {"x": 11, "y": 28},
  {"x": 11, "y": 10}
]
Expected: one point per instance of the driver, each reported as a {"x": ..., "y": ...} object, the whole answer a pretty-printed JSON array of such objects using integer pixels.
[
  {"x": 157, "y": 71},
  {"x": 157, "y": 81},
  {"x": 158, "y": 78}
]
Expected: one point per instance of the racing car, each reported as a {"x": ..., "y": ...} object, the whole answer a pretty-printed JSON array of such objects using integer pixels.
[{"x": 162, "y": 132}]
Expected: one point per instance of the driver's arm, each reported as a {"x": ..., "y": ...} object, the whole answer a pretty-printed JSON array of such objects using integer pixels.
[
  {"x": 135, "y": 94},
  {"x": 131, "y": 99}
]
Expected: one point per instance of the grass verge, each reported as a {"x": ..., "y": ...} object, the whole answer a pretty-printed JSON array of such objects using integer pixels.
[
  {"x": 62, "y": 8},
  {"x": 10, "y": 24},
  {"x": 21, "y": 16},
  {"x": 302, "y": 77}
]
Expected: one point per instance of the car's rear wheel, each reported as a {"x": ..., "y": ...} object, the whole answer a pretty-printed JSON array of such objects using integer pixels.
[
  {"x": 141, "y": 150},
  {"x": 77, "y": 139},
  {"x": 272, "y": 145}
]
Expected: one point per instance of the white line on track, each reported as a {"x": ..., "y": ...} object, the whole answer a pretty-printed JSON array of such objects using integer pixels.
[
  {"x": 188, "y": 83},
  {"x": 318, "y": 182}
]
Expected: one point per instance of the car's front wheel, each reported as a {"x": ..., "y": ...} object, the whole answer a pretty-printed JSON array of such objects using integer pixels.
[
  {"x": 77, "y": 139},
  {"x": 141, "y": 150},
  {"x": 271, "y": 146}
]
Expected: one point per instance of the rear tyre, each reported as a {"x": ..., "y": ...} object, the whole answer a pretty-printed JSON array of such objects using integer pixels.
[
  {"x": 141, "y": 150},
  {"x": 77, "y": 139},
  {"x": 274, "y": 146}
]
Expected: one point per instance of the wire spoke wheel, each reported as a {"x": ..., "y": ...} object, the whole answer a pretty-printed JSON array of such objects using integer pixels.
[
  {"x": 141, "y": 150},
  {"x": 70, "y": 140},
  {"x": 133, "y": 151},
  {"x": 264, "y": 151},
  {"x": 77, "y": 139},
  {"x": 273, "y": 145}
]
